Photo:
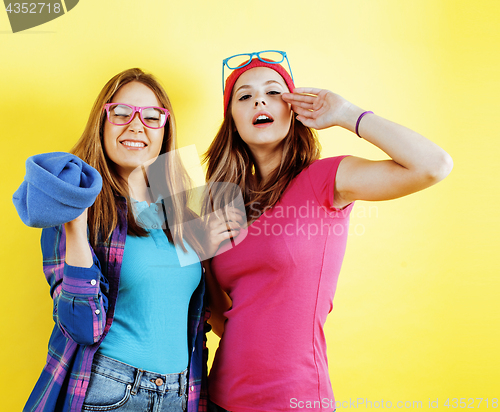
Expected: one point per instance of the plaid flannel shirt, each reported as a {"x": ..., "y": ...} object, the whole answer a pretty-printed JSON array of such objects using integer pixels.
[{"x": 84, "y": 303}]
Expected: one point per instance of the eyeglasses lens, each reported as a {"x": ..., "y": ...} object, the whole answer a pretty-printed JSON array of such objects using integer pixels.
[{"x": 151, "y": 117}]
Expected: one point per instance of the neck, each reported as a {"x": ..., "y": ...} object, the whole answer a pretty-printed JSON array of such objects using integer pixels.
[
  {"x": 137, "y": 184},
  {"x": 266, "y": 161}
]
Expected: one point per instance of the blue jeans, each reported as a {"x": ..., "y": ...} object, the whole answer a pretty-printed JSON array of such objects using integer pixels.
[{"x": 116, "y": 386}]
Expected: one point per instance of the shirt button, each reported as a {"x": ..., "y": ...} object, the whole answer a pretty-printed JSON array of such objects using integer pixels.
[
  {"x": 159, "y": 381},
  {"x": 93, "y": 282},
  {"x": 97, "y": 312},
  {"x": 203, "y": 270},
  {"x": 191, "y": 388}
]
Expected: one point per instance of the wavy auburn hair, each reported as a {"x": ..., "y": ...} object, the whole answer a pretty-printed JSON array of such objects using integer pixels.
[
  {"x": 103, "y": 214},
  {"x": 230, "y": 160}
]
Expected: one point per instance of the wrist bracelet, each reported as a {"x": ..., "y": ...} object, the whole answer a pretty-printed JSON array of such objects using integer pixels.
[{"x": 359, "y": 119}]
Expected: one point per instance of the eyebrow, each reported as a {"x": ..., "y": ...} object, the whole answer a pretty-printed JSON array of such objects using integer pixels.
[{"x": 246, "y": 86}]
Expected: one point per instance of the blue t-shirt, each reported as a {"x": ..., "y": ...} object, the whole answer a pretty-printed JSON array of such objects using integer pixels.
[{"x": 149, "y": 329}]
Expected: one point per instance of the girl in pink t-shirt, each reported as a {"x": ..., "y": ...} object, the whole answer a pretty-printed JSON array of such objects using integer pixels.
[{"x": 275, "y": 270}]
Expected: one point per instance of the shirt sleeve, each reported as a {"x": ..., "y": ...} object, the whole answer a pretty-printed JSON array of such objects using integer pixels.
[
  {"x": 322, "y": 175},
  {"x": 79, "y": 294}
]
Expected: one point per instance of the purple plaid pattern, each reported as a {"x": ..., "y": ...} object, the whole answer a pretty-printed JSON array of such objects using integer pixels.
[{"x": 84, "y": 303}]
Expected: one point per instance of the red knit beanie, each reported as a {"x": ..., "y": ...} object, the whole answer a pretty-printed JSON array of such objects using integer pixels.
[{"x": 231, "y": 80}]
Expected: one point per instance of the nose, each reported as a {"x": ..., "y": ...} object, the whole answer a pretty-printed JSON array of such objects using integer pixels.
[
  {"x": 136, "y": 125},
  {"x": 260, "y": 99}
]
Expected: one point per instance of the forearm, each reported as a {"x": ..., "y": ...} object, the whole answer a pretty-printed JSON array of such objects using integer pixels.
[
  {"x": 79, "y": 294},
  {"x": 407, "y": 148},
  {"x": 77, "y": 247}
]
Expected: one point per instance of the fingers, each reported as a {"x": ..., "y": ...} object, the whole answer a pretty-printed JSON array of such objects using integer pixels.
[
  {"x": 307, "y": 121},
  {"x": 224, "y": 220},
  {"x": 219, "y": 226},
  {"x": 307, "y": 90},
  {"x": 304, "y": 105},
  {"x": 303, "y": 112},
  {"x": 221, "y": 231},
  {"x": 229, "y": 213},
  {"x": 296, "y": 98},
  {"x": 218, "y": 239},
  {"x": 80, "y": 220},
  {"x": 233, "y": 215}
]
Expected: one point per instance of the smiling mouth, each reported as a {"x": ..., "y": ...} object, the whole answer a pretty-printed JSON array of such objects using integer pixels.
[
  {"x": 129, "y": 143},
  {"x": 263, "y": 119}
]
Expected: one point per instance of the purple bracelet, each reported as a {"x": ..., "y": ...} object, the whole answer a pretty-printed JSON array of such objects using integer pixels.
[{"x": 359, "y": 119}]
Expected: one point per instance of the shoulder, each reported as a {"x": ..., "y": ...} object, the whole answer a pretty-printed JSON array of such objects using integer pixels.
[{"x": 325, "y": 166}]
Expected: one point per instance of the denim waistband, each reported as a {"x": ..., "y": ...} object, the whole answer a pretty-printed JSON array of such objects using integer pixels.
[{"x": 139, "y": 378}]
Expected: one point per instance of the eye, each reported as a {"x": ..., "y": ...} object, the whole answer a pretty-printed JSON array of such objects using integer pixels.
[
  {"x": 274, "y": 92},
  {"x": 244, "y": 97}
]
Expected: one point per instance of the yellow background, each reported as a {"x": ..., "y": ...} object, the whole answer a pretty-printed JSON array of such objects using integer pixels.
[{"x": 416, "y": 314}]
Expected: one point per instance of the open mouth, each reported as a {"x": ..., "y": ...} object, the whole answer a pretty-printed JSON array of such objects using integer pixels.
[{"x": 263, "y": 119}]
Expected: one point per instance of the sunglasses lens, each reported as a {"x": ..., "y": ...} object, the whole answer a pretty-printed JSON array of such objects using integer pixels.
[
  {"x": 154, "y": 117},
  {"x": 236, "y": 62},
  {"x": 271, "y": 56},
  {"x": 119, "y": 114}
]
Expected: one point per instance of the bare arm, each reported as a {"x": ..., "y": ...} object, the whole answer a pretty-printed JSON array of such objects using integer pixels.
[
  {"x": 77, "y": 247},
  {"x": 416, "y": 162}
]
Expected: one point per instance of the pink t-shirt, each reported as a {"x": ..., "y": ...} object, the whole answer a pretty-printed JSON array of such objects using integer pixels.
[{"x": 282, "y": 278}]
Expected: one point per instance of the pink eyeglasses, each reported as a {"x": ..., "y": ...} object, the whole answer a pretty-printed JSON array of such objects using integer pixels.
[{"x": 121, "y": 114}]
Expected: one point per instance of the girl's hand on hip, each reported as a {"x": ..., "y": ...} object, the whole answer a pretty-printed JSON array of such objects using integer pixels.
[{"x": 317, "y": 108}]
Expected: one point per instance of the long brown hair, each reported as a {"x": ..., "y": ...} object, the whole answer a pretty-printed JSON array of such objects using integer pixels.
[
  {"x": 230, "y": 160},
  {"x": 103, "y": 214}
]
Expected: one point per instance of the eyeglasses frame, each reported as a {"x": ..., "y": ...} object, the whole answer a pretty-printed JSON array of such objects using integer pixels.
[
  {"x": 257, "y": 54},
  {"x": 136, "y": 109}
]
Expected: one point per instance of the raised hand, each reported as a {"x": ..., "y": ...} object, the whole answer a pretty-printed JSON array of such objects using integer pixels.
[{"x": 317, "y": 108}]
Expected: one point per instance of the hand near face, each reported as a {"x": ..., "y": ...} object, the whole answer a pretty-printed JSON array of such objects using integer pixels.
[{"x": 317, "y": 108}]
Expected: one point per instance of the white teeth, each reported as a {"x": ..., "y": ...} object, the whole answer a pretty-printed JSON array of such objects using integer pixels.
[
  {"x": 133, "y": 144},
  {"x": 262, "y": 117}
]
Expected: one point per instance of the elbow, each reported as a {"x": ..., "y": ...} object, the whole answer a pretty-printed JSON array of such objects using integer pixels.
[
  {"x": 79, "y": 336},
  {"x": 81, "y": 323},
  {"x": 441, "y": 167},
  {"x": 84, "y": 340}
]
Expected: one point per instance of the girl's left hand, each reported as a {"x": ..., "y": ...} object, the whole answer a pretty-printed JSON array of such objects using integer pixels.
[{"x": 317, "y": 108}]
